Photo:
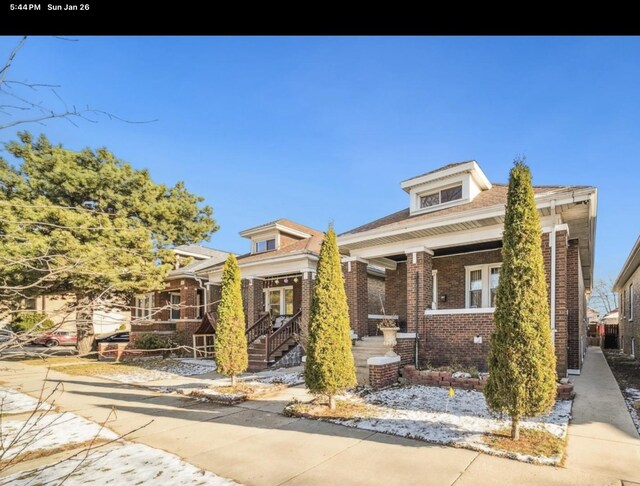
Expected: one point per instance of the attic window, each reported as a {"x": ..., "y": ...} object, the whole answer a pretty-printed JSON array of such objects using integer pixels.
[
  {"x": 265, "y": 245},
  {"x": 441, "y": 197}
]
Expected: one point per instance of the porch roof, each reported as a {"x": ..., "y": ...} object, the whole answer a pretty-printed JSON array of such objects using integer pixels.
[{"x": 479, "y": 220}]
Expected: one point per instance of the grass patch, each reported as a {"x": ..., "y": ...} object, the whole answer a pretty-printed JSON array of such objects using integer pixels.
[
  {"x": 239, "y": 389},
  {"x": 93, "y": 369},
  {"x": 345, "y": 410},
  {"x": 57, "y": 361},
  {"x": 37, "y": 454},
  {"x": 532, "y": 442}
]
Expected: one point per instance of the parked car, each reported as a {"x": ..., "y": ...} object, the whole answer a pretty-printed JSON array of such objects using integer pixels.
[
  {"x": 6, "y": 335},
  {"x": 57, "y": 338},
  {"x": 118, "y": 337}
]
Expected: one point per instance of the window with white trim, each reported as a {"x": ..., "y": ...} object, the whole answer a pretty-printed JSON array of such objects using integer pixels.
[
  {"x": 631, "y": 302},
  {"x": 265, "y": 245},
  {"x": 441, "y": 197},
  {"x": 623, "y": 306},
  {"x": 143, "y": 306},
  {"x": 174, "y": 311},
  {"x": 481, "y": 285},
  {"x": 279, "y": 301}
]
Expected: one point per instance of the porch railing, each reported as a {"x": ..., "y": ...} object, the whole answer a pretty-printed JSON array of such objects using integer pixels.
[
  {"x": 260, "y": 328},
  {"x": 283, "y": 334}
]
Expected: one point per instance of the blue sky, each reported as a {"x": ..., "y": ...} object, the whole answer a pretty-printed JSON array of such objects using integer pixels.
[{"x": 324, "y": 129}]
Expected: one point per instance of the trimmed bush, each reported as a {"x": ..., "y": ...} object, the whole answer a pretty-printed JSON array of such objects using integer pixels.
[
  {"x": 31, "y": 322},
  {"x": 152, "y": 341}
]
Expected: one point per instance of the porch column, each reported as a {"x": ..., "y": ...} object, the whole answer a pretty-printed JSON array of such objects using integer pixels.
[
  {"x": 254, "y": 299},
  {"x": 419, "y": 285},
  {"x": 354, "y": 270},
  {"x": 305, "y": 299}
]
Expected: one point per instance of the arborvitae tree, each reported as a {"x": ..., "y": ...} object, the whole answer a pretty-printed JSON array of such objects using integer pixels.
[
  {"x": 230, "y": 340},
  {"x": 330, "y": 368},
  {"x": 522, "y": 376}
]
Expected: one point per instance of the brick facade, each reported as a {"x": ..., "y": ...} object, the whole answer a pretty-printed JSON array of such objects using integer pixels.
[
  {"x": 446, "y": 339},
  {"x": 419, "y": 264},
  {"x": 384, "y": 375},
  {"x": 406, "y": 349},
  {"x": 355, "y": 283},
  {"x": 628, "y": 328},
  {"x": 306, "y": 287},
  {"x": 574, "y": 317},
  {"x": 395, "y": 291},
  {"x": 254, "y": 298},
  {"x": 452, "y": 275}
]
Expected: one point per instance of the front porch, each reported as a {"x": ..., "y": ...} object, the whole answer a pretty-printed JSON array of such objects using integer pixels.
[{"x": 446, "y": 297}]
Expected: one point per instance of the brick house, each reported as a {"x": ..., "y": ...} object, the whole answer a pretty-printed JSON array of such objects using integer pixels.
[
  {"x": 627, "y": 285},
  {"x": 277, "y": 280},
  {"x": 178, "y": 309},
  {"x": 442, "y": 255}
]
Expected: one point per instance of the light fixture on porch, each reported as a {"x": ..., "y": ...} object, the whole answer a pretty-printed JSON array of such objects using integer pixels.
[
  {"x": 276, "y": 281},
  {"x": 286, "y": 280},
  {"x": 295, "y": 279}
]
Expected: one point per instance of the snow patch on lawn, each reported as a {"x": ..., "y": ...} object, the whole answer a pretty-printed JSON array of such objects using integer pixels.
[
  {"x": 163, "y": 370},
  {"x": 289, "y": 379},
  {"x": 127, "y": 464},
  {"x": 13, "y": 402},
  {"x": 48, "y": 431},
  {"x": 429, "y": 414},
  {"x": 632, "y": 399}
]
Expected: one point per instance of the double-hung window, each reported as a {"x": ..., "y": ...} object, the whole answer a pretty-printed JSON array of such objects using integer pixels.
[
  {"x": 481, "y": 285},
  {"x": 265, "y": 245},
  {"x": 143, "y": 305},
  {"x": 174, "y": 311},
  {"x": 631, "y": 302}
]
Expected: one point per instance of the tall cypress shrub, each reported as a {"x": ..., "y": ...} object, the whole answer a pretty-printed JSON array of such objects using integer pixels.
[
  {"x": 522, "y": 376},
  {"x": 230, "y": 340},
  {"x": 330, "y": 367}
]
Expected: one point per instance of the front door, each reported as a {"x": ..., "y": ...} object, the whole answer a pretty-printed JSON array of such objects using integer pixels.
[{"x": 279, "y": 301}]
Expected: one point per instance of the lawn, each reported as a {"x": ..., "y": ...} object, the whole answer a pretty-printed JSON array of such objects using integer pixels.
[{"x": 430, "y": 414}]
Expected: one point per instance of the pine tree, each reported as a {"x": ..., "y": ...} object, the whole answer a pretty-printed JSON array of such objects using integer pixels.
[
  {"x": 230, "y": 340},
  {"x": 522, "y": 377},
  {"x": 330, "y": 368}
]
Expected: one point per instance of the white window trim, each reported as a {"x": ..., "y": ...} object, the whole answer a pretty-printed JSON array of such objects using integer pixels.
[
  {"x": 144, "y": 306},
  {"x": 486, "y": 295},
  {"x": 283, "y": 303},
  {"x": 171, "y": 309},
  {"x": 275, "y": 244},
  {"x": 438, "y": 191},
  {"x": 630, "y": 302}
]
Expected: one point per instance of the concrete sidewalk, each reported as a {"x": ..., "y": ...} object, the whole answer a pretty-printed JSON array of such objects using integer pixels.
[{"x": 253, "y": 443}]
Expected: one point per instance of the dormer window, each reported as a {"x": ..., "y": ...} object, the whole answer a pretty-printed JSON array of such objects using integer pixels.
[
  {"x": 265, "y": 245},
  {"x": 441, "y": 197}
]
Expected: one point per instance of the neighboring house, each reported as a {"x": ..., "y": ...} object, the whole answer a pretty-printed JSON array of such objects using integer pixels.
[
  {"x": 627, "y": 285},
  {"x": 610, "y": 318},
  {"x": 277, "y": 281},
  {"x": 58, "y": 308},
  {"x": 442, "y": 258},
  {"x": 593, "y": 316},
  {"x": 178, "y": 309}
]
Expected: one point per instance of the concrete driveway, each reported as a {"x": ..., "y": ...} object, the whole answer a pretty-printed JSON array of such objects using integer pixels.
[{"x": 253, "y": 443}]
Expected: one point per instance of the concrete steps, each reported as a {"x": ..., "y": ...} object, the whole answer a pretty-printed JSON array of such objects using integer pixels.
[{"x": 364, "y": 349}]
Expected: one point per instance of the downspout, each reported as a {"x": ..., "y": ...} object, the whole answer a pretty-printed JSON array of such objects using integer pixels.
[
  {"x": 204, "y": 292},
  {"x": 416, "y": 285},
  {"x": 552, "y": 245}
]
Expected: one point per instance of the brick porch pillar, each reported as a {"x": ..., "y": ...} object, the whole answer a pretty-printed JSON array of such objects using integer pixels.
[
  {"x": 418, "y": 299},
  {"x": 561, "y": 342},
  {"x": 254, "y": 297},
  {"x": 305, "y": 298},
  {"x": 355, "y": 282}
]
